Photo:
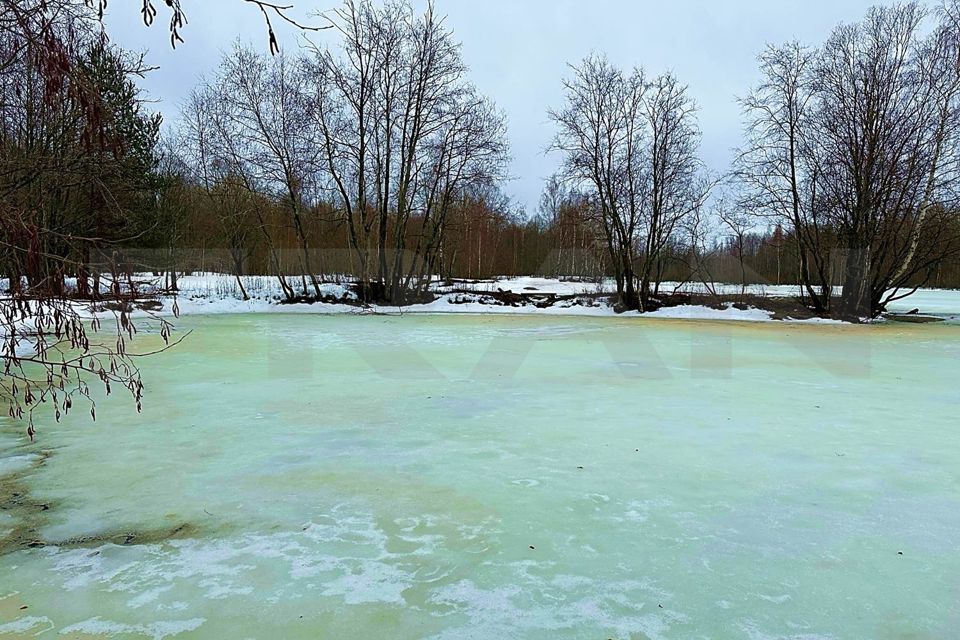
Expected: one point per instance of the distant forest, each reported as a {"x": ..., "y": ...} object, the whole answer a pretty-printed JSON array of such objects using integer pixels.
[{"x": 488, "y": 236}]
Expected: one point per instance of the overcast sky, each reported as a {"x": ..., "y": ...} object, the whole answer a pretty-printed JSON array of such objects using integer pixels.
[{"x": 517, "y": 51}]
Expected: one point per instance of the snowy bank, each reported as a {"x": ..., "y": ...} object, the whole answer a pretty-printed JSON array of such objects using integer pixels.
[{"x": 212, "y": 294}]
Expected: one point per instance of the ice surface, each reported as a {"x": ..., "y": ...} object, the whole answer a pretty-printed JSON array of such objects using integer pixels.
[{"x": 504, "y": 477}]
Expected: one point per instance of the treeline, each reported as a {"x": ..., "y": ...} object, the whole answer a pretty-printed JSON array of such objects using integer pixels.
[
  {"x": 78, "y": 150},
  {"x": 851, "y": 148},
  {"x": 374, "y": 159},
  {"x": 851, "y": 153},
  {"x": 488, "y": 237},
  {"x": 484, "y": 235},
  {"x": 382, "y": 130}
]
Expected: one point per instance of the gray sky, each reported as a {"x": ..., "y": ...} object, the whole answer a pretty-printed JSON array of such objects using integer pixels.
[{"x": 518, "y": 50}]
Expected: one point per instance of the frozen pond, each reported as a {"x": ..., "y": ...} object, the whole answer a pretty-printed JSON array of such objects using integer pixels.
[{"x": 500, "y": 477}]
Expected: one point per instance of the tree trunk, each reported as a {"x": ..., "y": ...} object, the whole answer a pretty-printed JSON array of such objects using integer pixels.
[{"x": 855, "y": 302}]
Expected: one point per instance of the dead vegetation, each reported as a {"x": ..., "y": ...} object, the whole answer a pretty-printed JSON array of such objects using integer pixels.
[{"x": 30, "y": 515}]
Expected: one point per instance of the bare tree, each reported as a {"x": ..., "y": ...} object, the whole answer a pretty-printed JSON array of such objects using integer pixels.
[
  {"x": 736, "y": 224},
  {"x": 634, "y": 143},
  {"x": 601, "y": 136},
  {"x": 217, "y": 155},
  {"x": 268, "y": 111},
  {"x": 553, "y": 203},
  {"x": 344, "y": 106},
  {"x": 776, "y": 172},
  {"x": 940, "y": 69},
  {"x": 699, "y": 231},
  {"x": 856, "y": 146},
  {"x": 676, "y": 183},
  {"x": 886, "y": 115},
  {"x": 402, "y": 136}
]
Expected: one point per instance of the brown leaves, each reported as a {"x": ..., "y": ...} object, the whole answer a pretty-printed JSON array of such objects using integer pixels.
[{"x": 49, "y": 352}]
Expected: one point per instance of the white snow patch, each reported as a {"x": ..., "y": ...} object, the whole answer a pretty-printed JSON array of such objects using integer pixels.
[
  {"x": 17, "y": 464},
  {"x": 155, "y": 630},
  {"x": 694, "y": 312},
  {"x": 21, "y": 626},
  {"x": 217, "y": 294}
]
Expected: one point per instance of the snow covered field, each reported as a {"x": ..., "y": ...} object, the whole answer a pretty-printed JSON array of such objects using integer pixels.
[{"x": 216, "y": 294}]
